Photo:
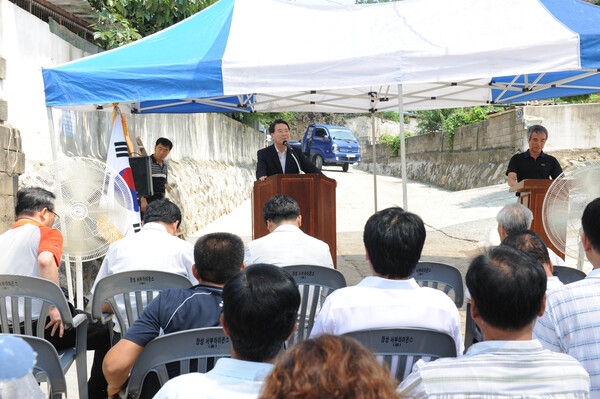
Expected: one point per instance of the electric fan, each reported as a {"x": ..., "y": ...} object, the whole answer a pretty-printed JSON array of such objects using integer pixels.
[
  {"x": 564, "y": 203},
  {"x": 93, "y": 203}
]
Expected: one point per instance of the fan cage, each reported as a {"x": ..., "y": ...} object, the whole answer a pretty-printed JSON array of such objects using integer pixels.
[{"x": 93, "y": 202}]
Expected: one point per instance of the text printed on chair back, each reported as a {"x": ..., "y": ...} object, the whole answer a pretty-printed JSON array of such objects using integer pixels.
[
  {"x": 442, "y": 277},
  {"x": 193, "y": 350},
  {"x": 400, "y": 348},
  {"x": 128, "y": 293},
  {"x": 315, "y": 284}
]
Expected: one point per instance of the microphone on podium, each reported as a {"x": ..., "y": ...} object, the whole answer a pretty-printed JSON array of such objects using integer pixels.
[{"x": 291, "y": 150}]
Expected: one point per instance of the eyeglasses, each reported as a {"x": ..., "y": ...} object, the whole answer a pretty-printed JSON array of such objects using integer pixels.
[{"x": 54, "y": 213}]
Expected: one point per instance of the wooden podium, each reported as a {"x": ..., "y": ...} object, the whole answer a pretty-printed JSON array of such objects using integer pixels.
[
  {"x": 314, "y": 193},
  {"x": 532, "y": 193}
]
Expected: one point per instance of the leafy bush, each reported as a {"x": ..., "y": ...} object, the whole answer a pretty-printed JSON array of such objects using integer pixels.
[
  {"x": 393, "y": 141},
  {"x": 391, "y": 116}
]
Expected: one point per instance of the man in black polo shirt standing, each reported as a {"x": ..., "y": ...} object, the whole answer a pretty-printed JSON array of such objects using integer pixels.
[
  {"x": 159, "y": 172},
  {"x": 533, "y": 163}
]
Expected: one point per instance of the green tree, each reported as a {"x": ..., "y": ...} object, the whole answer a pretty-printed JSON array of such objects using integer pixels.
[
  {"x": 124, "y": 21},
  {"x": 431, "y": 121}
]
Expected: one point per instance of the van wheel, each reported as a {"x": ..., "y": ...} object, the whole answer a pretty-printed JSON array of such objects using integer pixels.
[
  {"x": 345, "y": 167},
  {"x": 318, "y": 161}
]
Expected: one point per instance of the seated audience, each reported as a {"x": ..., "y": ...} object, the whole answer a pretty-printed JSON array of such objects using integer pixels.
[
  {"x": 530, "y": 242},
  {"x": 571, "y": 323},
  {"x": 329, "y": 367},
  {"x": 515, "y": 218},
  {"x": 218, "y": 257},
  {"x": 507, "y": 294},
  {"x": 390, "y": 298},
  {"x": 259, "y": 313},
  {"x": 286, "y": 244}
]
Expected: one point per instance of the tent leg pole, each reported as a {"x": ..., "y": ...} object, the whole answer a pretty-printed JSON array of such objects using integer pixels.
[
  {"x": 374, "y": 160},
  {"x": 402, "y": 148},
  {"x": 53, "y": 146}
]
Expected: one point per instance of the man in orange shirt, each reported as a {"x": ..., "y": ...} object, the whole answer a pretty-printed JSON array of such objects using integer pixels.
[{"x": 33, "y": 248}]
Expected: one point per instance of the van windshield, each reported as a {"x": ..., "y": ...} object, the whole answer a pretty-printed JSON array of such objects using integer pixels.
[{"x": 342, "y": 134}]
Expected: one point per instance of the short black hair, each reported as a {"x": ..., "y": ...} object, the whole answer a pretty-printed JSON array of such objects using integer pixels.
[
  {"x": 277, "y": 122},
  {"x": 279, "y": 208},
  {"x": 218, "y": 256},
  {"x": 164, "y": 141},
  {"x": 33, "y": 199},
  {"x": 162, "y": 210},
  {"x": 394, "y": 240},
  {"x": 508, "y": 287},
  {"x": 590, "y": 221},
  {"x": 260, "y": 307},
  {"x": 529, "y": 242}
]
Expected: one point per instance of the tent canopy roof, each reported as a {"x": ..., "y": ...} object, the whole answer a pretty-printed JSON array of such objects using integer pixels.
[{"x": 276, "y": 55}]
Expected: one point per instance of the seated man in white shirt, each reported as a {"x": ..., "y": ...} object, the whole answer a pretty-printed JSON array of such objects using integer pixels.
[
  {"x": 155, "y": 247},
  {"x": 507, "y": 294},
  {"x": 260, "y": 306},
  {"x": 531, "y": 243},
  {"x": 390, "y": 298},
  {"x": 286, "y": 244}
]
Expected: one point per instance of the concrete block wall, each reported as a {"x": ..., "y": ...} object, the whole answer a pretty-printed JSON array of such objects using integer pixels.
[
  {"x": 502, "y": 130},
  {"x": 432, "y": 142},
  {"x": 12, "y": 164}
]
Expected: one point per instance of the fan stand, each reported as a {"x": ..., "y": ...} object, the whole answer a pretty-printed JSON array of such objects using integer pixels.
[{"x": 69, "y": 260}]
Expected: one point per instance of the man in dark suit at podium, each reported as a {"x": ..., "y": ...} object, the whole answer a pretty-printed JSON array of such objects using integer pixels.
[
  {"x": 533, "y": 163},
  {"x": 281, "y": 157}
]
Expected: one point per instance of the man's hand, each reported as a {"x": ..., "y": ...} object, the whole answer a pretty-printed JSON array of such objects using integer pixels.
[
  {"x": 511, "y": 179},
  {"x": 143, "y": 204},
  {"x": 55, "y": 322},
  {"x": 113, "y": 391},
  {"x": 262, "y": 178}
]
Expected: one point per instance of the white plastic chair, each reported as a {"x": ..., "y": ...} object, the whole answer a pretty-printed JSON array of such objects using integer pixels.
[
  {"x": 315, "y": 284},
  {"x": 195, "y": 350},
  {"x": 135, "y": 289},
  {"x": 19, "y": 294},
  {"x": 400, "y": 348}
]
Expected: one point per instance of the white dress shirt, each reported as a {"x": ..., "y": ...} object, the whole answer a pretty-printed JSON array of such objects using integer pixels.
[
  {"x": 152, "y": 248},
  {"x": 288, "y": 245},
  {"x": 230, "y": 379},
  {"x": 377, "y": 302}
]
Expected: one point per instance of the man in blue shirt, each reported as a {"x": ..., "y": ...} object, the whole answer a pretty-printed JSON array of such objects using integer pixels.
[{"x": 217, "y": 257}]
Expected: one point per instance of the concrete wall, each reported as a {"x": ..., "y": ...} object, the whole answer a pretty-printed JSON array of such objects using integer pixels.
[
  {"x": 12, "y": 163},
  {"x": 480, "y": 152}
]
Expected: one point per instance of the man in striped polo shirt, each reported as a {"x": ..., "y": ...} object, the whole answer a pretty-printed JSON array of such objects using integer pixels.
[
  {"x": 159, "y": 172},
  {"x": 507, "y": 294},
  {"x": 571, "y": 323}
]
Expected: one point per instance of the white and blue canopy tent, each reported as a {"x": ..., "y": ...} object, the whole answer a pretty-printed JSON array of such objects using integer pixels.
[{"x": 277, "y": 55}]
